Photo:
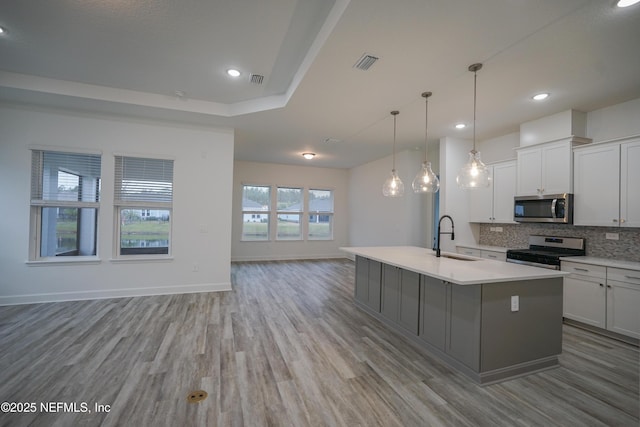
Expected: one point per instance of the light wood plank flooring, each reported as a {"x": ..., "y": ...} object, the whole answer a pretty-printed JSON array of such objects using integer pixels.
[{"x": 286, "y": 348}]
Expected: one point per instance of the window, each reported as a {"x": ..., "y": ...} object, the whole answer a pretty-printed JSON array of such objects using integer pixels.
[
  {"x": 256, "y": 205},
  {"x": 320, "y": 214},
  {"x": 65, "y": 197},
  {"x": 143, "y": 199},
  {"x": 289, "y": 213},
  {"x": 296, "y": 211}
]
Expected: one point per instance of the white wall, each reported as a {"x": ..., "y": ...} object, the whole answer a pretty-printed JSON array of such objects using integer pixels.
[
  {"x": 201, "y": 220},
  {"x": 616, "y": 121},
  {"x": 499, "y": 149},
  {"x": 386, "y": 221},
  {"x": 454, "y": 201},
  {"x": 294, "y": 176}
]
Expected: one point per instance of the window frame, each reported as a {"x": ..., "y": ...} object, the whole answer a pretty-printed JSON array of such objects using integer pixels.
[
  {"x": 318, "y": 213},
  {"x": 39, "y": 202},
  {"x": 299, "y": 212},
  {"x": 141, "y": 205},
  {"x": 273, "y": 213},
  {"x": 253, "y": 212}
]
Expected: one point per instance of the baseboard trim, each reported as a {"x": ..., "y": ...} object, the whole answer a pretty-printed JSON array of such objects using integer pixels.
[
  {"x": 338, "y": 255},
  {"x": 113, "y": 293}
]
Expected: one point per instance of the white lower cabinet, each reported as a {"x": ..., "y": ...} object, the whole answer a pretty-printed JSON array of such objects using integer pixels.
[
  {"x": 494, "y": 255},
  {"x": 604, "y": 297},
  {"x": 585, "y": 294},
  {"x": 623, "y": 301},
  {"x": 468, "y": 251},
  {"x": 482, "y": 253}
]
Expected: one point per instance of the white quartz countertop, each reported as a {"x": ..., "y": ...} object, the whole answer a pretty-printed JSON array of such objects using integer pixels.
[
  {"x": 474, "y": 272},
  {"x": 605, "y": 262}
]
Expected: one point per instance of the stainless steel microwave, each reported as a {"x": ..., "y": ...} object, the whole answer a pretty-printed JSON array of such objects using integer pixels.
[{"x": 544, "y": 208}]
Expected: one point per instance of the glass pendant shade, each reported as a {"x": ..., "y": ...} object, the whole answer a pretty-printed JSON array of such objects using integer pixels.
[
  {"x": 474, "y": 174},
  {"x": 426, "y": 181},
  {"x": 393, "y": 186}
]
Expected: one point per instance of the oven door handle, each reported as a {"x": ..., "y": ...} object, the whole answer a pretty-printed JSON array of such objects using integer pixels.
[{"x": 553, "y": 208}]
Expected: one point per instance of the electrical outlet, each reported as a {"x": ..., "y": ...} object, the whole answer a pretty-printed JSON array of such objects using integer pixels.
[
  {"x": 515, "y": 303},
  {"x": 499, "y": 229},
  {"x": 196, "y": 267},
  {"x": 612, "y": 236},
  {"x": 492, "y": 229}
]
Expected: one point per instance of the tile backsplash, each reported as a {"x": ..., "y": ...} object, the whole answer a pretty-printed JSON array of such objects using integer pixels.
[{"x": 517, "y": 235}]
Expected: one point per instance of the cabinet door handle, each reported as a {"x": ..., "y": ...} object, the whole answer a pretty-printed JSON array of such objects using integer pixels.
[
  {"x": 615, "y": 220},
  {"x": 601, "y": 285},
  {"x": 622, "y": 221},
  {"x": 580, "y": 269},
  {"x": 609, "y": 286},
  {"x": 492, "y": 256},
  {"x": 632, "y": 277}
]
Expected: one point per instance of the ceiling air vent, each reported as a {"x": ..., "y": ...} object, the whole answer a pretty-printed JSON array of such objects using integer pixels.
[
  {"x": 365, "y": 62},
  {"x": 256, "y": 79}
]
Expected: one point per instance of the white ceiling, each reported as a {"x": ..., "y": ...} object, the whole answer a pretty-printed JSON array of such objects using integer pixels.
[{"x": 131, "y": 56}]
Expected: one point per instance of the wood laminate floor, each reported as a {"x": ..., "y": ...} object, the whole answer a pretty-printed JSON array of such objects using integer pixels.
[{"x": 287, "y": 347}]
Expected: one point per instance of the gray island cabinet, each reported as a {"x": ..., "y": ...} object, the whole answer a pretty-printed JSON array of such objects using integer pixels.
[{"x": 487, "y": 319}]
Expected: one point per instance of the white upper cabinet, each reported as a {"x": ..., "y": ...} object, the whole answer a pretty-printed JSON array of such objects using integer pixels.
[
  {"x": 529, "y": 171},
  {"x": 495, "y": 203},
  {"x": 606, "y": 184},
  {"x": 597, "y": 185},
  {"x": 630, "y": 184},
  {"x": 546, "y": 168}
]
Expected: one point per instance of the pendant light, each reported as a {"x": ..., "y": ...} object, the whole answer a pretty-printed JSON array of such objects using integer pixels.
[
  {"x": 426, "y": 181},
  {"x": 393, "y": 186},
  {"x": 474, "y": 174}
]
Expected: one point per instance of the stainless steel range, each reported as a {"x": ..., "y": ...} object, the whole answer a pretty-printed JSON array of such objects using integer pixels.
[{"x": 545, "y": 251}]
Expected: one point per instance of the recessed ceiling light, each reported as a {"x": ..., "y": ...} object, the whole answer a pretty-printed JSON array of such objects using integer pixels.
[
  {"x": 461, "y": 126},
  {"x": 308, "y": 156},
  {"x": 233, "y": 72},
  {"x": 626, "y": 3},
  {"x": 2, "y": 31},
  {"x": 540, "y": 96}
]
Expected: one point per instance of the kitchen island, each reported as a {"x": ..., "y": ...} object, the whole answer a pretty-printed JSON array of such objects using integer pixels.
[{"x": 490, "y": 320}]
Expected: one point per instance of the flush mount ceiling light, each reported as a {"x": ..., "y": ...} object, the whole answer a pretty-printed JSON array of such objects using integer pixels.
[
  {"x": 474, "y": 174},
  {"x": 461, "y": 126},
  {"x": 233, "y": 72},
  {"x": 393, "y": 186},
  {"x": 626, "y": 3},
  {"x": 426, "y": 181},
  {"x": 308, "y": 156},
  {"x": 540, "y": 96}
]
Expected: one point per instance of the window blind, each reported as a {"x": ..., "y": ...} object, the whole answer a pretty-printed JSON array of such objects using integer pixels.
[
  {"x": 144, "y": 182},
  {"x": 59, "y": 176}
]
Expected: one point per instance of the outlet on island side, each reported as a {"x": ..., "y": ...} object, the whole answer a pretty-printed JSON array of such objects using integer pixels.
[{"x": 515, "y": 303}]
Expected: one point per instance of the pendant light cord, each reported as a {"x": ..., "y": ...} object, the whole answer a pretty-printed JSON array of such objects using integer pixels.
[
  {"x": 426, "y": 96},
  {"x": 474, "y": 68},
  {"x": 394, "y": 114},
  {"x": 475, "y": 85}
]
